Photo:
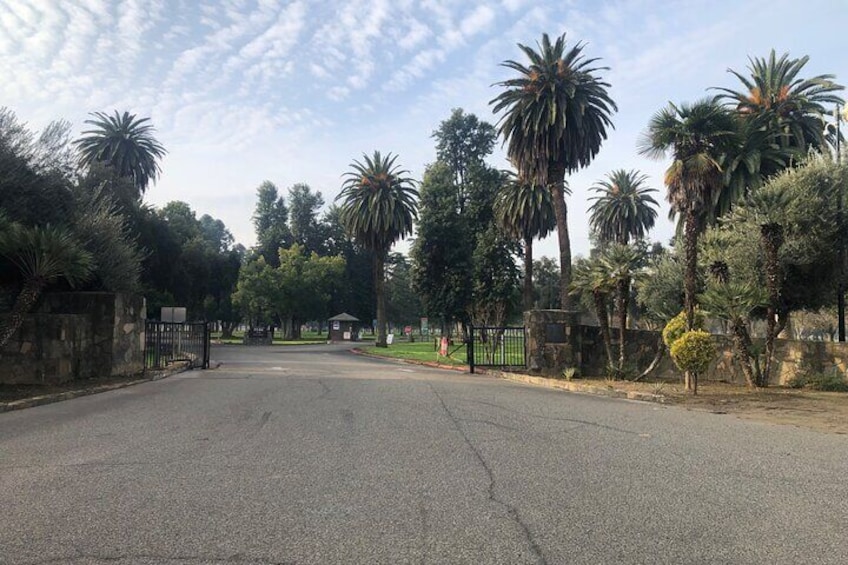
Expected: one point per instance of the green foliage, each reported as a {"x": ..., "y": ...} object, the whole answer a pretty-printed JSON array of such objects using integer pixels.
[
  {"x": 693, "y": 351},
  {"x": 624, "y": 210},
  {"x": 832, "y": 380},
  {"x": 661, "y": 293},
  {"x": 676, "y": 327},
  {"x": 125, "y": 143},
  {"x": 443, "y": 247},
  {"x": 461, "y": 142},
  {"x": 299, "y": 289},
  {"x": 270, "y": 219},
  {"x": 546, "y": 283},
  {"x": 378, "y": 202},
  {"x": 556, "y": 110}
]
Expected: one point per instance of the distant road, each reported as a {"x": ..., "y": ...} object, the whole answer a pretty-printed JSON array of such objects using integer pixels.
[{"x": 314, "y": 455}]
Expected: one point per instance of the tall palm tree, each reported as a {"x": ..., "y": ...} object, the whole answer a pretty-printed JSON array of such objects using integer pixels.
[
  {"x": 525, "y": 210},
  {"x": 42, "y": 255},
  {"x": 696, "y": 135},
  {"x": 590, "y": 277},
  {"x": 624, "y": 209},
  {"x": 556, "y": 115},
  {"x": 622, "y": 264},
  {"x": 792, "y": 106},
  {"x": 379, "y": 206},
  {"x": 125, "y": 143}
]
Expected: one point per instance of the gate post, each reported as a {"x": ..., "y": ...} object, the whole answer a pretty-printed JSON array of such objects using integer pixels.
[
  {"x": 469, "y": 350},
  {"x": 207, "y": 335}
]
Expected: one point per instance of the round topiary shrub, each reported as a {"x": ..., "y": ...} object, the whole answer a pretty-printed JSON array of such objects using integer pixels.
[
  {"x": 676, "y": 327},
  {"x": 693, "y": 351}
]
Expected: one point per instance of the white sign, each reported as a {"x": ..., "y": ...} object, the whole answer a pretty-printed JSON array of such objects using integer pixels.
[
  {"x": 346, "y": 336},
  {"x": 390, "y": 338},
  {"x": 173, "y": 314},
  {"x": 336, "y": 325}
]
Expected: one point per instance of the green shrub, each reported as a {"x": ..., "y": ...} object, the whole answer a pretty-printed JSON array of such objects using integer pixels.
[
  {"x": 693, "y": 351},
  {"x": 676, "y": 327},
  {"x": 826, "y": 381}
]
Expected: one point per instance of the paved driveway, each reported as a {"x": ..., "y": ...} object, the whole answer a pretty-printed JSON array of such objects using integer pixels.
[{"x": 313, "y": 455}]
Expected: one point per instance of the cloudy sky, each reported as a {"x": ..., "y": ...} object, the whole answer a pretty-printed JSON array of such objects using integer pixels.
[{"x": 291, "y": 91}]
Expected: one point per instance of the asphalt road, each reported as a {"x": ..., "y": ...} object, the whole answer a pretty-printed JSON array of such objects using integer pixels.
[{"x": 313, "y": 455}]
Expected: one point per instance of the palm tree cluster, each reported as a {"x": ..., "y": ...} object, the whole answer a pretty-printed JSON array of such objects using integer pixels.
[{"x": 723, "y": 149}]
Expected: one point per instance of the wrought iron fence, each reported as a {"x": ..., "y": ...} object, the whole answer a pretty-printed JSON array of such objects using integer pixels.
[
  {"x": 169, "y": 342},
  {"x": 502, "y": 347}
]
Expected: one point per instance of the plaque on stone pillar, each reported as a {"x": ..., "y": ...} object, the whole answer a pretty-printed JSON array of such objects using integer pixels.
[{"x": 555, "y": 333}]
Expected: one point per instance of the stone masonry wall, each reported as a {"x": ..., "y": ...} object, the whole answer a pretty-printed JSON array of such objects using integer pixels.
[
  {"x": 583, "y": 349},
  {"x": 76, "y": 335}
]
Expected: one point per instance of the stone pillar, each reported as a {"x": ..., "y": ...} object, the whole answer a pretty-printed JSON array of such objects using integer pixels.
[{"x": 553, "y": 341}]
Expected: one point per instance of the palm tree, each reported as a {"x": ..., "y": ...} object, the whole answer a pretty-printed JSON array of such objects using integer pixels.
[
  {"x": 624, "y": 208},
  {"x": 525, "y": 210},
  {"x": 766, "y": 208},
  {"x": 42, "y": 255},
  {"x": 378, "y": 208},
  {"x": 696, "y": 135},
  {"x": 734, "y": 303},
  {"x": 125, "y": 143},
  {"x": 590, "y": 277},
  {"x": 621, "y": 263},
  {"x": 792, "y": 106},
  {"x": 557, "y": 112}
]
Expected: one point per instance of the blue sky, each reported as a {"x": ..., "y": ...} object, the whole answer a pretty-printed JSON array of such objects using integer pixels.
[{"x": 291, "y": 91}]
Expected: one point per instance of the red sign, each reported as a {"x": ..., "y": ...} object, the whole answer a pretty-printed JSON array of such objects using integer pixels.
[
  {"x": 407, "y": 330},
  {"x": 443, "y": 348}
]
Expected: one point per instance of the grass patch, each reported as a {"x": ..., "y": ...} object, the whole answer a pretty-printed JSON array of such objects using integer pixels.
[
  {"x": 419, "y": 351},
  {"x": 306, "y": 338}
]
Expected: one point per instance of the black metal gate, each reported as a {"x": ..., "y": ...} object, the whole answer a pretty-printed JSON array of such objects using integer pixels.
[
  {"x": 501, "y": 347},
  {"x": 170, "y": 342}
]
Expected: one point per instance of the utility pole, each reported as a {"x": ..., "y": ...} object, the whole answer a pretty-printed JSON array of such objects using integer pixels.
[{"x": 840, "y": 287}]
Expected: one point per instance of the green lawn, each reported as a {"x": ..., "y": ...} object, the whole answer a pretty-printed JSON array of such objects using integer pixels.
[
  {"x": 419, "y": 351},
  {"x": 306, "y": 338}
]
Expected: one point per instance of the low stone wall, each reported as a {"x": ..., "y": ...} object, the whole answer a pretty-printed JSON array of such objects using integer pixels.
[
  {"x": 76, "y": 335},
  {"x": 582, "y": 348}
]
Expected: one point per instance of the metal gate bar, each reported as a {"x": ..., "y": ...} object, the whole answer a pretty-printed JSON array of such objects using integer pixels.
[
  {"x": 169, "y": 342},
  {"x": 490, "y": 346}
]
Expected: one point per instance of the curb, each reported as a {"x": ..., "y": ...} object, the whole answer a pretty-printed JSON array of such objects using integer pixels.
[
  {"x": 579, "y": 387},
  {"x": 558, "y": 384},
  {"x": 68, "y": 395},
  {"x": 434, "y": 364}
]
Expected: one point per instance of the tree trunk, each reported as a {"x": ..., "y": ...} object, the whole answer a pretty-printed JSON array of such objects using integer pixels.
[
  {"x": 557, "y": 187},
  {"x": 690, "y": 277},
  {"x": 528, "y": 273},
  {"x": 772, "y": 239},
  {"x": 23, "y": 304},
  {"x": 603, "y": 321},
  {"x": 623, "y": 299},
  {"x": 381, "y": 298},
  {"x": 742, "y": 347},
  {"x": 227, "y": 329}
]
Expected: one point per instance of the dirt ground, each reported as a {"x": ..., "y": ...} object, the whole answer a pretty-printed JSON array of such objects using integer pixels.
[{"x": 823, "y": 411}]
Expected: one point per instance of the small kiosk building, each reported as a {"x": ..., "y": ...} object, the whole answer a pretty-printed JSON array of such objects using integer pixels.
[{"x": 344, "y": 327}]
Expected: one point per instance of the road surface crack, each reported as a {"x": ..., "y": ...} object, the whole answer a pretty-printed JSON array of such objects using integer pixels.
[
  {"x": 557, "y": 419},
  {"x": 511, "y": 510}
]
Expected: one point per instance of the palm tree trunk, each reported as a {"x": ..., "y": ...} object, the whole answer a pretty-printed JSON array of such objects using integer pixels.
[
  {"x": 557, "y": 187},
  {"x": 381, "y": 298},
  {"x": 623, "y": 299},
  {"x": 528, "y": 273},
  {"x": 742, "y": 346},
  {"x": 603, "y": 320},
  {"x": 690, "y": 283},
  {"x": 23, "y": 304}
]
